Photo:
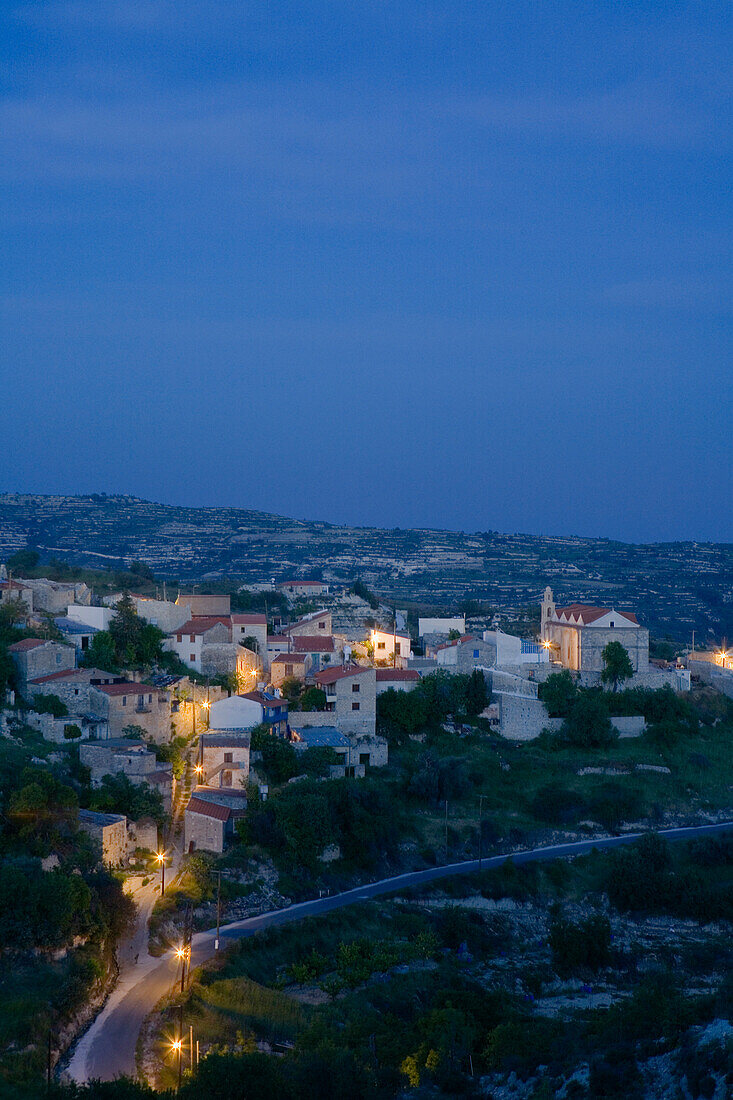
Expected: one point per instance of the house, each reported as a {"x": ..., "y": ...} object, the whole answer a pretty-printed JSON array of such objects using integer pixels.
[
  {"x": 251, "y": 626},
  {"x": 252, "y": 708},
  {"x": 391, "y": 646},
  {"x": 400, "y": 679},
  {"x": 444, "y": 626},
  {"x": 109, "y": 831},
  {"x": 321, "y": 650},
  {"x": 75, "y": 633},
  {"x": 302, "y": 589},
  {"x": 318, "y": 624},
  {"x": 206, "y": 604},
  {"x": 129, "y": 757},
  {"x": 204, "y": 643},
  {"x": 224, "y": 758},
  {"x": 34, "y": 657},
  {"x": 356, "y": 752},
  {"x": 14, "y": 592},
  {"x": 578, "y": 634},
  {"x": 56, "y": 596},
  {"x": 318, "y": 737},
  {"x": 130, "y": 703},
  {"x": 210, "y": 817},
  {"x": 465, "y": 654},
  {"x": 288, "y": 666},
  {"x": 512, "y": 651},
  {"x": 351, "y": 698}
]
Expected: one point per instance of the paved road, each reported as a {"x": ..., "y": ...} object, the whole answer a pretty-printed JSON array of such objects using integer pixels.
[{"x": 108, "y": 1047}]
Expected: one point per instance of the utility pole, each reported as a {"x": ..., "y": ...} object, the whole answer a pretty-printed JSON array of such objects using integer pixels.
[
  {"x": 180, "y": 1047},
  {"x": 480, "y": 829},
  {"x": 446, "y": 830},
  {"x": 190, "y": 1039},
  {"x": 218, "y": 909}
]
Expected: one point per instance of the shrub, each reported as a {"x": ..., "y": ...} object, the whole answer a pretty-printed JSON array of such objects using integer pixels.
[
  {"x": 587, "y": 723},
  {"x": 557, "y": 805},
  {"x": 49, "y": 704},
  {"x": 585, "y": 945}
]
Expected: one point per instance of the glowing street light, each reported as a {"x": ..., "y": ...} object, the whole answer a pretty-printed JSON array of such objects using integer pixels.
[{"x": 161, "y": 857}]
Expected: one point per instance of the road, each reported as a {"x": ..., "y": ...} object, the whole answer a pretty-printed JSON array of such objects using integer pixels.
[{"x": 107, "y": 1049}]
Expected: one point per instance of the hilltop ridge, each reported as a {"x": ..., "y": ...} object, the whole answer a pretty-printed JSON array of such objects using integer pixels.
[{"x": 676, "y": 587}]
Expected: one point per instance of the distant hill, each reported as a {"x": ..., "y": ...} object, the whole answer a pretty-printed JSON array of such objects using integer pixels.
[{"x": 675, "y": 587}]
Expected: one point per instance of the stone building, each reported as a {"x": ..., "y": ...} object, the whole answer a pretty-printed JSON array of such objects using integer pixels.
[
  {"x": 131, "y": 758},
  {"x": 56, "y": 596},
  {"x": 318, "y": 624},
  {"x": 13, "y": 592},
  {"x": 579, "y": 633},
  {"x": 205, "y": 603},
  {"x": 109, "y": 831},
  {"x": 289, "y": 666},
  {"x": 465, "y": 654},
  {"x": 130, "y": 703},
  {"x": 305, "y": 589},
  {"x": 210, "y": 817},
  {"x": 351, "y": 698},
  {"x": 35, "y": 657},
  {"x": 192, "y": 639},
  {"x": 251, "y": 626},
  {"x": 224, "y": 758}
]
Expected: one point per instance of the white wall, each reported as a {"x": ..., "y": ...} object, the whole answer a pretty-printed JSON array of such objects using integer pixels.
[
  {"x": 441, "y": 626},
  {"x": 90, "y": 616}
]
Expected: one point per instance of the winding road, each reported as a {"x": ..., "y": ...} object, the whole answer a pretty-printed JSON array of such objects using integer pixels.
[{"x": 107, "y": 1049}]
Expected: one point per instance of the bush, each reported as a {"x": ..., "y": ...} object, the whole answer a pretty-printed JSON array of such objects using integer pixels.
[
  {"x": 558, "y": 693},
  {"x": 587, "y": 724},
  {"x": 557, "y": 805},
  {"x": 279, "y": 758},
  {"x": 49, "y": 704},
  {"x": 585, "y": 945}
]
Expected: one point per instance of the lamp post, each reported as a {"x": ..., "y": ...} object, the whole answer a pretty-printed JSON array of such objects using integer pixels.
[
  {"x": 480, "y": 829},
  {"x": 177, "y": 1048},
  {"x": 161, "y": 860}
]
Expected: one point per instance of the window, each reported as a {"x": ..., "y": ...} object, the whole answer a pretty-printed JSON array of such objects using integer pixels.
[
  {"x": 288, "y": 670},
  {"x": 192, "y": 637},
  {"x": 356, "y": 706},
  {"x": 58, "y": 658},
  {"x": 179, "y": 637},
  {"x": 76, "y": 691},
  {"x": 475, "y": 653},
  {"x": 192, "y": 657},
  {"x": 612, "y": 623},
  {"x": 124, "y": 700},
  {"x": 363, "y": 757},
  {"x": 321, "y": 626},
  {"x": 356, "y": 687},
  {"x": 84, "y": 642},
  {"x": 150, "y": 698},
  {"x": 381, "y": 645},
  {"x": 228, "y": 757}
]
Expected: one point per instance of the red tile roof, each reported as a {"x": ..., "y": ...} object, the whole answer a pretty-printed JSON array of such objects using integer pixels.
[
  {"x": 384, "y": 674},
  {"x": 587, "y": 614},
  {"x": 25, "y": 644},
  {"x": 308, "y": 643},
  {"x": 331, "y": 675},
  {"x": 14, "y": 585},
  {"x": 67, "y": 674},
  {"x": 290, "y": 658},
  {"x": 255, "y": 620},
  {"x": 208, "y": 809}
]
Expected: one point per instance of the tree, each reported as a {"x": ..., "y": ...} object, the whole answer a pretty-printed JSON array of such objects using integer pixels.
[
  {"x": 558, "y": 693},
  {"x": 251, "y": 643},
  {"x": 477, "y": 693},
  {"x": 587, "y": 723},
  {"x": 72, "y": 731},
  {"x": 49, "y": 704},
  {"x": 313, "y": 698},
  {"x": 616, "y": 664},
  {"x": 119, "y": 795},
  {"x": 291, "y": 689},
  {"x": 22, "y": 561},
  {"x": 101, "y": 653}
]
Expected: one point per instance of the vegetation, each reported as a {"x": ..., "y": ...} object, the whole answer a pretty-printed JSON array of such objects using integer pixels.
[
  {"x": 616, "y": 664},
  {"x": 359, "y": 589},
  {"x": 118, "y": 794}
]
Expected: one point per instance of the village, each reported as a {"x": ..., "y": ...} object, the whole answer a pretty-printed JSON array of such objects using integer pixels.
[{"x": 312, "y": 680}]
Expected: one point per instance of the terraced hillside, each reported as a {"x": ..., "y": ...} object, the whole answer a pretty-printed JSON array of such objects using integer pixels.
[{"x": 675, "y": 587}]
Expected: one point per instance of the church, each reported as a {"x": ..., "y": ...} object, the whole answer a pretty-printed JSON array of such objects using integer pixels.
[{"x": 576, "y": 635}]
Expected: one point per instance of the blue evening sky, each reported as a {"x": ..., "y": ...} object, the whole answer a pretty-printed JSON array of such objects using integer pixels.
[{"x": 455, "y": 264}]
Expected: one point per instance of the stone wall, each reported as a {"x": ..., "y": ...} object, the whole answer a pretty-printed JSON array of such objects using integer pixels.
[
  {"x": 522, "y": 718},
  {"x": 203, "y": 832}
]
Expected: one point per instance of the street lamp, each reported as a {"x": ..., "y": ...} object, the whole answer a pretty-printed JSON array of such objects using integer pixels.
[
  {"x": 177, "y": 1048},
  {"x": 161, "y": 856}
]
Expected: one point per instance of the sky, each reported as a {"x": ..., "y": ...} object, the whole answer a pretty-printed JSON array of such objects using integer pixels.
[{"x": 462, "y": 265}]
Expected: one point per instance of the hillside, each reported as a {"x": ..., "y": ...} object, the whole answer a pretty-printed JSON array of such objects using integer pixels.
[{"x": 675, "y": 587}]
